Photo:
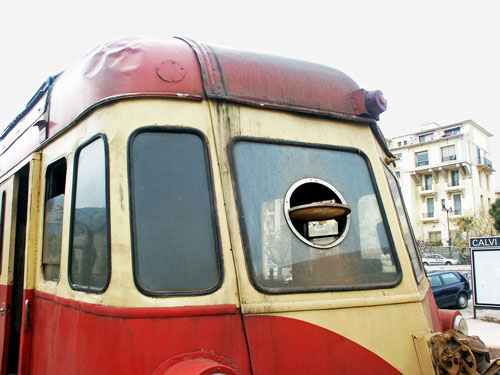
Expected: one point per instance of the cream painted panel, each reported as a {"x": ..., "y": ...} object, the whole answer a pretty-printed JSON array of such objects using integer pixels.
[
  {"x": 245, "y": 121},
  {"x": 117, "y": 121}
]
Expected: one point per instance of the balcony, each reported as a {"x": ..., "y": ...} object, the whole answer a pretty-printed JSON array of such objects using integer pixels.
[
  {"x": 429, "y": 217},
  {"x": 484, "y": 163},
  {"x": 426, "y": 191},
  {"x": 454, "y": 188}
]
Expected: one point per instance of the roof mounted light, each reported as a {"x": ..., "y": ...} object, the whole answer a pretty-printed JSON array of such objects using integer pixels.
[{"x": 369, "y": 103}]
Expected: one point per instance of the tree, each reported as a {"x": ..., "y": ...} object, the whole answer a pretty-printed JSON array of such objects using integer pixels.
[
  {"x": 495, "y": 213},
  {"x": 479, "y": 224}
]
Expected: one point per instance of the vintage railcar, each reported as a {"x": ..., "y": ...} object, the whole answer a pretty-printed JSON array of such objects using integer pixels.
[{"x": 169, "y": 207}]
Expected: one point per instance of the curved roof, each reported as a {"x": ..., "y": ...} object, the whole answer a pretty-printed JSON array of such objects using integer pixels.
[{"x": 185, "y": 69}]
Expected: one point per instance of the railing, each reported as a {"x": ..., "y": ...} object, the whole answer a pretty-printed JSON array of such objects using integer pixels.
[
  {"x": 481, "y": 160},
  {"x": 422, "y": 162},
  {"x": 449, "y": 157}
]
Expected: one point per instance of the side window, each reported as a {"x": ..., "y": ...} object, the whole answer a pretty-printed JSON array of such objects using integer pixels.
[
  {"x": 405, "y": 225},
  {"x": 2, "y": 224},
  {"x": 435, "y": 281},
  {"x": 89, "y": 259},
  {"x": 450, "y": 278},
  {"x": 55, "y": 181},
  {"x": 174, "y": 227}
]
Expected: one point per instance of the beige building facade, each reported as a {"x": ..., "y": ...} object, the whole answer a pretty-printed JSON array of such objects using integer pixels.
[{"x": 445, "y": 172}]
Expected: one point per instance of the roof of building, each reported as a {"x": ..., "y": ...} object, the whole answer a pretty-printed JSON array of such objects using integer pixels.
[{"x": 442, "y": 127}]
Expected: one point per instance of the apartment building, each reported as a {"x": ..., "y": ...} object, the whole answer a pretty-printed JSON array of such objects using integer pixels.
[{"x": 444, "y": 173}]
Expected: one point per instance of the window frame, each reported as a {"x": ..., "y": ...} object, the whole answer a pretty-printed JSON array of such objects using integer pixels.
[
  {"x": 428, "y": 181},
  {"x": 427, "y": 200},
  {"x": 213, "y": 210},
  {"x": 455, "y": 201},
  {"x": 447, "y": 155},
  {"x": 245, "y": 236},
  {"x": 76, "y": 161},
  {"x": 3, "y": 208},
  {"x": 52, "y": 165},
  {"x": 420, "y": 276},
  {"x": 426, "y": 152},
  {"x": 455, "y": 181}
]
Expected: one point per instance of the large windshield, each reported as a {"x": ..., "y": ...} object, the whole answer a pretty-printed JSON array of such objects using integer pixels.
[{"x": 350, "y": 249}]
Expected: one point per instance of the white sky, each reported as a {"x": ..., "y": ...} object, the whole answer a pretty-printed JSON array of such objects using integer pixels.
[{"x": 435, "y": 61}]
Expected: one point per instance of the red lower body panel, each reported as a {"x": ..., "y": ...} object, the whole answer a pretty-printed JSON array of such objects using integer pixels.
[
  {"x": 76, "y": 338},
  {"x": 284, "y": 346},
  {"x": 71, "y": 337}
]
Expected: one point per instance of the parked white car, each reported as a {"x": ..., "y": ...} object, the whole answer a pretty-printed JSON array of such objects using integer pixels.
[{"x": 437, "y": 259}]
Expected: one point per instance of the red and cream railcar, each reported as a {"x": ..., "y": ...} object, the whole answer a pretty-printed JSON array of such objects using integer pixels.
[{"x": 169, "y": 207}]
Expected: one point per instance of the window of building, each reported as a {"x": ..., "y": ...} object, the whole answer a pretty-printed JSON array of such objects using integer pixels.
[
  {"x": 452, "y": 131},
  {"x": 408, "y": 234},
  {"x": 89, "y": 258},
  {"x": 480, "y": 178},
  {"x": 175, "y": 247},
  {"x": 427, "y": 182},
  {"x": 487, "y": 178},
  {"x": 455, "y": 177},
  {"x": 457, "y": 204},
  {"x": 398, "y": 174},
  {"x": 443, "y": 205},
  {"x": 399, "y": 156},
  {"x": 399, "y": 144},
  {"x": 55, "y": 182},
  {"x": 448, "y": 153},
  {"x": 426, "y": 137},
  {"x": 280, "y": 261},
  {"x": 421, "y": 158},
  {"x": 405, "y": 143},
  {"x": 430, "y": 207}
]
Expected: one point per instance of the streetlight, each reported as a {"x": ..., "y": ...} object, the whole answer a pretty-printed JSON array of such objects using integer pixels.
[{"x": 448, "y": 210}]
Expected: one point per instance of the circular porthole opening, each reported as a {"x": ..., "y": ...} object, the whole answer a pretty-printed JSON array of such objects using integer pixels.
[{"x": 317, "y": 213}]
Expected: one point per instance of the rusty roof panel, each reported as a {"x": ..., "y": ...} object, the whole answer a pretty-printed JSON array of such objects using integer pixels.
[
  {"x": 125, "y": 68},
  {"x": 278, "y": 82},
  {"x": 185, "y": 69}
]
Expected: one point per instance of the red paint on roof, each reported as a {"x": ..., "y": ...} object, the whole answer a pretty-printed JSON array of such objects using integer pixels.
[{"x": 185, "y": 69}]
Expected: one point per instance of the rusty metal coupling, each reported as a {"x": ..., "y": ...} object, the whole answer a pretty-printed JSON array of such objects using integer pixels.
[{"x": 455, "y": 353}]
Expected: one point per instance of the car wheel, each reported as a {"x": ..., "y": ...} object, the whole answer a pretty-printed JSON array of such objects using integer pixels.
[
  {"x": 462, "y": 301},
  {"x": 448, "y": 263},
  {"x": 426, "y": 264}
]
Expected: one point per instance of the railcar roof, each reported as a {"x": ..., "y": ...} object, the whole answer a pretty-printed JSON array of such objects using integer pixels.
[{"x": 185, "y": 69}]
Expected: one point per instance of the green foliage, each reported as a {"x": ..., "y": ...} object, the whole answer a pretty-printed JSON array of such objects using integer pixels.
[
  {"x": 479, "y": 224},
  {"x": 495, "y": 213}
]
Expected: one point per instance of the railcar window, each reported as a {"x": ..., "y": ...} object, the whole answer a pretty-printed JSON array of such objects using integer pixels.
[
  {"x": 175, "y": 242},
  {"x": 89, "y": 266},
  {"x": 280, "y": 260},
  {"x": 2, "y": 229},
  {"x": 405, "y": 225},
  {"x": 55, "y": 182}
]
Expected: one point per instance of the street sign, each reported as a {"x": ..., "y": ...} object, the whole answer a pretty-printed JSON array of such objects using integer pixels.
[{"x": 485, "y": 265}]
